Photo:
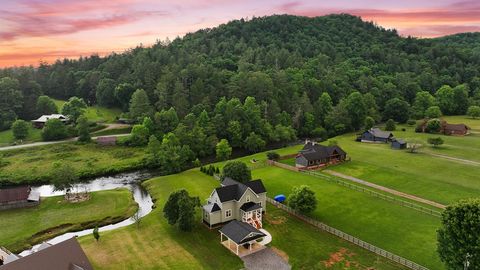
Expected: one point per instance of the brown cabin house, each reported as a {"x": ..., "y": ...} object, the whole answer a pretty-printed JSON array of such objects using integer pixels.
[
  {"x": 455, "y": 129},
  {"x": 446, "y": 128},
  {"x": 17, "y": 197},
  {"x": 316, "y": 155}
]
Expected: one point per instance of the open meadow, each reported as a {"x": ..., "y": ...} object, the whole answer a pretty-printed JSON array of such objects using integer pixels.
[
  {"x": 22, "y": 228},
  {"x": 155, "y": 244}
]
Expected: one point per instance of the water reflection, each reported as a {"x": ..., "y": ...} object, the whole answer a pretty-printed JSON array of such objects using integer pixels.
[{"x": 126, "y": 180}]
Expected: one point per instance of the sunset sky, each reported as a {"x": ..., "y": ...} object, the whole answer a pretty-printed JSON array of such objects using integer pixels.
[{"x": 34, "y": 30}]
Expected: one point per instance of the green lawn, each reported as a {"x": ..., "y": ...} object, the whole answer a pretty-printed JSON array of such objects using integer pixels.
[
  {"x": 398, "y": 229},
  {"x": 96, "y": 113},
  {"x": 33, "y": 165},
  {"x": 54, "y": 216},
  {"x": 157, "y": 245},
  {"x": 6, "y": 136},
  {"x": 420, "y": 174}
]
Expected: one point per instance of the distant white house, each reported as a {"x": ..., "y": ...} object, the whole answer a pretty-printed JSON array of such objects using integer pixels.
[{"x": 40, "y": 122}]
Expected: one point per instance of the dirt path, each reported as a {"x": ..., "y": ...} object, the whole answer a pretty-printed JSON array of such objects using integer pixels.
[
  {"x": 461, "y": 160},
  {"x": 47, "y": 143},
  {"x": 385, "y": 189},
  {"x": 113, "y": 126}
]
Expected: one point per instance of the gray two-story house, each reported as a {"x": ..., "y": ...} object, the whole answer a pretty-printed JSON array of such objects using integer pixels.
[{"x": 236, "y": 201}]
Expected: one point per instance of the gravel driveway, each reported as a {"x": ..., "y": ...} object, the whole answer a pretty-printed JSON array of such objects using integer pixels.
[{"x": 264, "y": 260}]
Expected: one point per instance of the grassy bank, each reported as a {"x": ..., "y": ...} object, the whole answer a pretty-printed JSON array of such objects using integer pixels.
[
  {"x": 157, "y": 245},
  {"x": 96, "y": 113},
  {"x": 35, "y": 165},
  {"x": 24, "y": 227},
  {"x": 6, "y": 136}
]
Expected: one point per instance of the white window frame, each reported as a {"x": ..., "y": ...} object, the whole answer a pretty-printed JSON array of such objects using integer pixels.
[{"x": 228, "y": 213}]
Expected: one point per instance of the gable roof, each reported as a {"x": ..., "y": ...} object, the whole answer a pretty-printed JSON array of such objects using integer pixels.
[
  {"x": 45, "y": 118},
  {"x": 241, "y": 232},
  {"x": 400, "y": 141},
  {"x": 233, "y": 190},
  {"x": 456, "y": 127},
  {"x": 315, "y": 151},
  {"x": 67, "y": 255},
  {"x": 210, "y": 208},
  {"x": 250, "y": 206},
  {"x": 14, "y": 194},
  {"x": 380, "y": 133}
]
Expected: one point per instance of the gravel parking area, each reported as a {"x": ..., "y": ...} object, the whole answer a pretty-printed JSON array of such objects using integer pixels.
[{"x": 265, "y": 259}]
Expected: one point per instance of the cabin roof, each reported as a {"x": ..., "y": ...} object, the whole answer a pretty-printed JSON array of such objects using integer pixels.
[
  {"x": 66, "y": 255},
  {"x": 240, "y": 232},
  {"x": 233, "y": 190},
  {"x": 314, "y": 151}
]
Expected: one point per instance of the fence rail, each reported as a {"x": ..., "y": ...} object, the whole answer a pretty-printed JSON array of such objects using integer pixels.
[
  {"x": 386, "y": 254},
  {"x": 370, "y": 192}
]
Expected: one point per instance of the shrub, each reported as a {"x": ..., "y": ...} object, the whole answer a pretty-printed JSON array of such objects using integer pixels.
[
  {"x": 411, "y": 122},
  {"x": 53, "y": 130},
  {"x": 473, "y": 111},
  {"x": 435, "y": 141},
  {"x": 302, "y": 199},
  {"x": 433, "y": 126},
  {"x": 20, "y": 129},
  {"x": 390, "y": 125},
  {"x": 433, "y": 112},
  {"x": 238, "y": 171},
  {"x": 273, "y": 155}
]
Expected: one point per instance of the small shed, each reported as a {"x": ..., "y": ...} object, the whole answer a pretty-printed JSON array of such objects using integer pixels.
[
  {"x": 107, "y": 140},
  {"x": 399, "y": 144},
  {"x": 16, "y": 197},
  {"x": 242, "y": 238}
]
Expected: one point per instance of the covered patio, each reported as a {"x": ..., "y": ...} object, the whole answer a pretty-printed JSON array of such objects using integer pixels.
[{"x": 241, "y": 238}]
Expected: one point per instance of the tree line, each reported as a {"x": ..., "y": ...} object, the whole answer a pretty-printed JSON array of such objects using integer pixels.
[{"x": 252, "y": 79}]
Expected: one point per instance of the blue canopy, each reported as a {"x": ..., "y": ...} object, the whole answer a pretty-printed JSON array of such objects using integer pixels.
[{"x": 280, "y": 198}]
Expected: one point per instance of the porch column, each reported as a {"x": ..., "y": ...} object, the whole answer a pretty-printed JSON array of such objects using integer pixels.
[
  {"x": 221, "y": 237},
  {"x": 237, "y": 249},
  {"x": 228, "y": 243}
]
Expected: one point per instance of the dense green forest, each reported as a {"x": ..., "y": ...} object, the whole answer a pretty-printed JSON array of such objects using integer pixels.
[{"x": 263, "y": 80}]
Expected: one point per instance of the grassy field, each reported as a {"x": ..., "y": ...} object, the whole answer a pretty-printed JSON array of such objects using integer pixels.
[
  {"x": 421, "y": 174},
  {"x": 96, "y": 113},
  {"x": 6, "y": 136},
  {"x": 33, "y": 165},
  {"x": 401, "y": 230},
  {"x": 157, "y": 245},
  {"x": 28, "y": 226}
]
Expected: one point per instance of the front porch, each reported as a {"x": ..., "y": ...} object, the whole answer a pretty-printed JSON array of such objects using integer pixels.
[
  {"x": 253, "y": 217},
  {"x": 242, "y": 250}
]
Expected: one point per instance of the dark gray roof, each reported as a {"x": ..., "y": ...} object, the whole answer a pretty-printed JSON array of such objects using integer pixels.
[
  {"x": 315, "y": 151},
  {"x": 233, "y": 190},
  {"x": 400, "y": 141},
  {"x": 250, "y": 206},
  {"x": 210, "y": 208},
  {"x": 62, "y": 256},
  {"x": 380, "y": 133},
  {"x": 240, "y": 232}
]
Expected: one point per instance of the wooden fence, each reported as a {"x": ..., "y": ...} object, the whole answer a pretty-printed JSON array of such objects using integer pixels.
[
  {"x": 368, "y": 191},
  {"x": 379, "y": 195},
  {"x": 349, "y": 238},
  {"x": 282, "y": 165}
]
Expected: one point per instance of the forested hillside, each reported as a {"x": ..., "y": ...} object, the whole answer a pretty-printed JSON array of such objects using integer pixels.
[{"x": 308, "y": 76}]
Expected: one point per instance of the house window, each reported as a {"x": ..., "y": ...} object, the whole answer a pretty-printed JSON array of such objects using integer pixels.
[
  {"x": 206, "y": 214},
  {"x": 228, "y": 213},
  {"x": 248, "y": 198}
]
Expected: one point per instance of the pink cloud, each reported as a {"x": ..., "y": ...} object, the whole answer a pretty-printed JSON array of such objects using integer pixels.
[
  {"x": 42, "y": 19},
  {"x": 465, "y": 12}
]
